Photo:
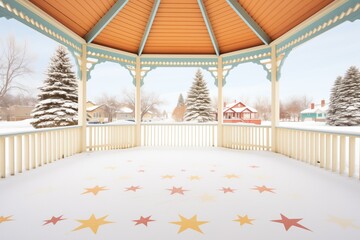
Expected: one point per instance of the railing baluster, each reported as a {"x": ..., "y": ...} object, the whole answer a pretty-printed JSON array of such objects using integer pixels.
[
  {"x": 11, "y": 155},
  {"x": 334, "y": 153},
  {"x": 342, "y": 154},
  {"x": 19, "y": 152},
  {"x": 2, "y": 158},
  {"x": 352, "y": 150}
]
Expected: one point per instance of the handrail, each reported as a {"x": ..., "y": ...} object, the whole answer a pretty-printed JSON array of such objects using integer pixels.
[
  {"x": 327, "y": 131},
  {"x": 10, "y": 134},
  {"x": 179, "y": 124}
]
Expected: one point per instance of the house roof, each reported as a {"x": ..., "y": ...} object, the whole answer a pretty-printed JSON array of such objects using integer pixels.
[
  {"x": 181, "y": 26},
  {"x": 232, "y": 106},
  {"x": 317, "y": 109},
  {"x": 93, "y": 108},
  {"x": 125, "y": 110}
]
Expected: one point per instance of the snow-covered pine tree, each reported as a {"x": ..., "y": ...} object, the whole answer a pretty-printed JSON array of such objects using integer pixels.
[
  {"x": 334, "y": 98},
  {"x": 58, "y": 97},
  {"x": 179, "y": 111},
  {"x": 347, "y": 111},
  {"x": 181, "y": 101},
  {"x": 198, "y": 103}
]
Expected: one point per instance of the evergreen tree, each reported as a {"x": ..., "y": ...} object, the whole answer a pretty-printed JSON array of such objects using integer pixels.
[
  {"x": 347, "y": 106},
  {"x": 58, "y": 99},
  {"x": 179, "y": 111},
  {"x": 181, "y": 101},
  {"x": 198, "y": 103},
  {"x": 334, "y": 98}
]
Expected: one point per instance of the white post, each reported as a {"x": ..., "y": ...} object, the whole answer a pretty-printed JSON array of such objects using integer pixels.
[
  {"x": 275, "y": 104},
  {"x": 220, "y": 76},
  {"x": 82, "y": 99},
  {"x": 138, "y": 103}
]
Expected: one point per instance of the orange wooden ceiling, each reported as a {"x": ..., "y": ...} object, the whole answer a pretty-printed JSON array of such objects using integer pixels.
[{"x": 179, "y": 27}]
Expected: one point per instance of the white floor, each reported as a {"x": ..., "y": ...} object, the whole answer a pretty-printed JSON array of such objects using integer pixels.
[{"x": 221, "y": 186}]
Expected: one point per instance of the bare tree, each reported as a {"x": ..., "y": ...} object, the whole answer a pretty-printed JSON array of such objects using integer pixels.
[
  {"x": 111, "y": 105},
  {"x": 263, "y": 106},
  {"x": 291, "y": 108},
  {"x": 149, "y": 102},
  {"x": 14, "y": 63}
]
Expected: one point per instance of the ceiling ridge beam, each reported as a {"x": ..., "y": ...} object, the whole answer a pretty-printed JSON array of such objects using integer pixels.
[
  {"x": 104, "y": 21},
  {"x": 209, "y": 27},
  {"x": 243, "y": 14},
  {"x": 148, "y": 26}
]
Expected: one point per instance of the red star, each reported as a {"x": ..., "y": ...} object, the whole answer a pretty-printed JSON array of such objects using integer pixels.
[
  {"x": 132, "y": 188},
  {"x": 263, "y": 189},
  {"x": 54, "y": 220},
  {"x": 143, "y": 220},
  {"x": 226, "y": 190},
  {"x": 178, "y": 190},
  {"x": 288, "y": 223}
]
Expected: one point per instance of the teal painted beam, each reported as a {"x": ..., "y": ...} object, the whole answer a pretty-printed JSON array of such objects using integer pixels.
[
  {"x": 115, "y": 9},
  {"x": 208, "y": 26},
  {"x": 249, "y": 21},
  {"x": 148, "y": 26}
]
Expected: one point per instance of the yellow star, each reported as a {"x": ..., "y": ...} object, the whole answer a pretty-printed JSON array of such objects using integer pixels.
[
  {"x": 5, "y": 219},
  {"x": 229, "y": 176},
  {"x": 207, "y": 198},
  {"x": 92, "y": 223},
  {"x": 191, "y": 223},
  {"x": 194, "y": 178},
  {"x": 94, "y": 190},
  {"x": 243, "y": 220},
  {"x": 343, "y": 222},
  {"x": 167, "y": 176}
]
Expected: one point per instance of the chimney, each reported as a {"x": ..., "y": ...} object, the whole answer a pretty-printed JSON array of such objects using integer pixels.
[
  {"x": 312, "y": 105},
  {"x": 224, "y": 104},
  {"x": 235, "y": 101},
  {"x": 322, "y": 103}
]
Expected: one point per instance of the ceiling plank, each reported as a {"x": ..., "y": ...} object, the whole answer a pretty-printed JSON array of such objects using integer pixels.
[
  {"x": 148, "y": 26},
  {"x": 208, "y": 26},
  {"x": 99, "y": 26},
  {"x": 249, "y": 21}
]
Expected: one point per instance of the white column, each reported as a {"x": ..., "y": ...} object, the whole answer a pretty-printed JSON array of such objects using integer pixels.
[
  {"x": 220, "y": 76},
  {"x": 138, "y": 103},
  {"x": 82, "y": 99},
  {"x": 275, "y": 103}
]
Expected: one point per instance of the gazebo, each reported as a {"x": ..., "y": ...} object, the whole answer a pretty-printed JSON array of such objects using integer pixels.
[{"x": 215, "y": 35}]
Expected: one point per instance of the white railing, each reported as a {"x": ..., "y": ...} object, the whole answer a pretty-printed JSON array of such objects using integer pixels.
[
  {"x": 32, "y": 149},
  {"x": 179, "y": 134},
  {"x": 247, "y": 136},
  {"x": 333, "y": 150},
  {"x": 107, "y": 137}
]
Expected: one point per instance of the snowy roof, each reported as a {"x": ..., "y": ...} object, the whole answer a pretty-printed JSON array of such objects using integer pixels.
[
  {"x": 237, "y": 109},
  {"x": 125, "y": 110},
  {"x": 90, "y": 109},
  {"x": 317, "y": 109}
]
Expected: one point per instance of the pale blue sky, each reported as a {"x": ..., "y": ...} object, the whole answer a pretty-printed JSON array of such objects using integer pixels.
[{"x": 309, "y": 69}]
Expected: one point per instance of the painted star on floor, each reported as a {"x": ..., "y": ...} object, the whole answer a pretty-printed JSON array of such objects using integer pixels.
[
  {"x": 167, "y": 177},
  {"x": 194, "y": 178},
  {"x": 178, "y": 190},
  {"x": 54, "y": 220},
  {"x": 227, "y": 190},
  {"x": 243, "y": 220},
  {"x": 230, "y": 176},
  {"x": 207, "y": 198},
  {"x": 143, "y": 220},
  {"x": 132, "y": 188},
  {"x": 95, "y": 190},
  {"x": 343, "y": 222},
  {"x": 290, "y": 222},
  {"x": 93, "y": 223},
  {"x": 191, "y": 223},
  {"x": 263, "y": 188},
  {"x": 5, "y": 219}
]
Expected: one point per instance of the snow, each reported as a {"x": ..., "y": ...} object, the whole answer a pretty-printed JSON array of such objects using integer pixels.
[
  {"x": 90, "y": 109},
  {"x": 15, "y": 126},
  {"x": 315, "y": 196},
  {"x": 125, "y": 110}
]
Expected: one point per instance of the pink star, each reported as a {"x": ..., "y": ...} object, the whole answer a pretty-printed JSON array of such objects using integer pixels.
[
  {"x": 226, "y": 190},
  {"x": 132, "y": 188},
  {"x": 143, "y": 220},
  {"x": 288, "y": 222},
  {"x": 178, "y": 190},
  {"x": 54, "y": 220}
]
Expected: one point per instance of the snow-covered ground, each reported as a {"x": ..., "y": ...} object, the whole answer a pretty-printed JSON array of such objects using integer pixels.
[
  {"x": 15, "y": 126},
  {"x": 165, "y": 193}
]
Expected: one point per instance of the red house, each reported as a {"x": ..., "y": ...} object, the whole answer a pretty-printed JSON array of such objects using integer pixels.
[{"x": 238, "y": 112}]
